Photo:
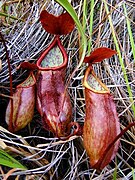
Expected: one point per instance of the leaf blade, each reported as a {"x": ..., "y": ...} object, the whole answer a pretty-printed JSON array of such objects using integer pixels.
[
  {"x": 72, "y": 12},
  {"x": 9, "y": 161}
]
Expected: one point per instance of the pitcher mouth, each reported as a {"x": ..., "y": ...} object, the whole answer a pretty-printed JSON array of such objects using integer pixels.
[
  {"x": 54, "y": 57},
  {"x": 94, "y": 84},
  {"x": 29, "y": 82}
]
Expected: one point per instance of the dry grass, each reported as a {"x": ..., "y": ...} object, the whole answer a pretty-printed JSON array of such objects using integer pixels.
[{"x": 47, "y": 157}]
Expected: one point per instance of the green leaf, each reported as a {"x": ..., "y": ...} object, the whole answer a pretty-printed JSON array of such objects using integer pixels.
[
  {"x": 115, "y": 170},
  {"x": 133, "y": 172},
  {"x": 129, "y": 31},
  {"x": 9, "y": 161},
  {"x": 72, "y": 12},
  {"x": 7, "y": 15},
  {"x": 120, "y": 57},
  {"x": 91, "y": 25}
]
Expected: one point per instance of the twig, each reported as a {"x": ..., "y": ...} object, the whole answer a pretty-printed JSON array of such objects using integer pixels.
[{"x": 11, "y": 85}]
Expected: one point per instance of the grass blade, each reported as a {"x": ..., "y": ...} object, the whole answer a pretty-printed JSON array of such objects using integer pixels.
[
  {"x": 84, "y": 22},
  {"x": 120, "y": 57},
  {"x": 9, "y": 161},
  {"x": 72, "y": 12},
  {"x": 133, "y": 172},
  {"x": 91, "y": 25},
  {"x": 129, "y": 32},
  {"x": 9, "y": 16}
]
